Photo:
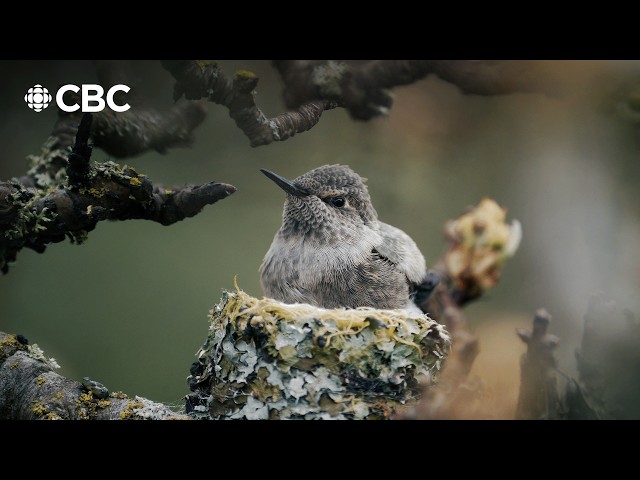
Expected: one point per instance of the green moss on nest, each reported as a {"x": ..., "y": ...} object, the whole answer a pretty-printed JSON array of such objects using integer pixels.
[{"x": 265, "y": 359}]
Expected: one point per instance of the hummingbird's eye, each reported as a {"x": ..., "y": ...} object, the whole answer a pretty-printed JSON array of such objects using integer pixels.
[{"x": 337, "y": 202}]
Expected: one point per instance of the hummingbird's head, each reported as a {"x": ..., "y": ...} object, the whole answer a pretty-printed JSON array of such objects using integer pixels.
[{"x": 326, "y": 199}]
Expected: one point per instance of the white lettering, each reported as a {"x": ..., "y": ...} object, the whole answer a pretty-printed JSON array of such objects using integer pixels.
[
  {"x": 97, "y": 97},
  {"x": 113, "y": 105},
  {"x": 63, "y": 106}
]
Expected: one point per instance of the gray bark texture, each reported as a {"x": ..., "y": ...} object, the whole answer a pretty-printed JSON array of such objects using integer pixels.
[{"x": 30, "y": 389}]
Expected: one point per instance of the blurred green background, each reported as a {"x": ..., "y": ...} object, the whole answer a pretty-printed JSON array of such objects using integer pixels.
[{"x": 129, "y": 307}]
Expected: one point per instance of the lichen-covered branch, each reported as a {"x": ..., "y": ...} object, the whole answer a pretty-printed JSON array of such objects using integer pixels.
[
  {"x": 312, "y": 86},
  {"x": 64, "y": 195},
  {"x": 479, "y": 244},
  {"x": 200, "y": 79},
  {"x": 362, "y": 87},
  {"x": 30, "y": 389}
]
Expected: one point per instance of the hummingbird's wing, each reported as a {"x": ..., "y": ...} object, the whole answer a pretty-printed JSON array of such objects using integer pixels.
[
  {"x": 398, "y": 248},
  {"x": 401, "y": 250}
]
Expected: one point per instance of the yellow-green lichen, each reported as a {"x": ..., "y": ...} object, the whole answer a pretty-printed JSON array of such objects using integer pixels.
[
  {"x": 135, "y": 182},
  {"x": 40, "y": 381},
  {"x": 38, "y": 408},
  {"x": 59, "y": 395},
  {"x": 94, "y": 192},
  {"x": 14, "y": 365},
  {"x": 203, "y": 64},
  {"x": 9, "y": 345},
  {"x": 52, "y": 416},
  {"x": 87, "y": 406},
  {"x": 128, "y": 412},
  {"x": 245, "y": 74}
]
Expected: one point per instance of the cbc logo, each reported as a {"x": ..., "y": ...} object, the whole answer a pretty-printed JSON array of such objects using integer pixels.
[{"x": 38, "y": 98}]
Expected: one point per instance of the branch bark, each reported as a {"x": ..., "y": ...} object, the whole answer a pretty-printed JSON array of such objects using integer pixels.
[
  {"x": 31, "y": 390},
  {"x": 198, "y": 79},
  {"x": 479, "y": 244},
  {"x": 53, "y": 202},
  {"x": 137, "y": 130},
  {"x": 363, "y": 87}
]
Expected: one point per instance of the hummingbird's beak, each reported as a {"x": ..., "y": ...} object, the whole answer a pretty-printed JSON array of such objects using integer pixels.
[{"x": 287, "y": 185}]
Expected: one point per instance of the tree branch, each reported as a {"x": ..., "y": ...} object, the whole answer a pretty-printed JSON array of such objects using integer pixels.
[
  {"x": 312, "y": 86},
  {"x": 362, "y": 87},
  {"x": 31, "y": 390},
  {"x": 49, "y": 205},
  {"x": 198, "y": 79},
  {"x": 130, "y": 133},
  {"x": 480, "y": 242}
]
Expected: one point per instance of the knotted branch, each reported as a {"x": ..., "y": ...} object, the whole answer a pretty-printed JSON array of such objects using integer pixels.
[{"x": 197, "y": 79}]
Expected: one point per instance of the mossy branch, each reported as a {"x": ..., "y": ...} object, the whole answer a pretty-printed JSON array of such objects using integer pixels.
[
  {"x": 65, "y": 195},
  {"x": 30, "y": 389}
]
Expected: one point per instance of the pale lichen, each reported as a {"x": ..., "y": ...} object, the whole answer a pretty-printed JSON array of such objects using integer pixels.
[
  {"x": 266, "y": 359},
  {"x": 128, "y": 412},
  {"x": 148, "y": 410},
  {"x": 35, "y": 352},
  {"x": 481, "y": 243},
  {"x": 328, "y": 78}
]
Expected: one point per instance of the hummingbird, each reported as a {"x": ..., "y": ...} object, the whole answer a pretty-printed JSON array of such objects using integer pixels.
[{"x": 332, "y": 251}]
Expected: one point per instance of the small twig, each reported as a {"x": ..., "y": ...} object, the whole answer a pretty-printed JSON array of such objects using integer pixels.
[{"x": 539, "y": 398}]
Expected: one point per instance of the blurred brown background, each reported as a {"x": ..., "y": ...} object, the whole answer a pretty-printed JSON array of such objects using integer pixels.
[{"x": 129, "y": 307}]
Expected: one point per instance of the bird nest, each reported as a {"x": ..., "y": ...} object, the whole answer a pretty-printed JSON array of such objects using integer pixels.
[{"x": 264, "y": 359}]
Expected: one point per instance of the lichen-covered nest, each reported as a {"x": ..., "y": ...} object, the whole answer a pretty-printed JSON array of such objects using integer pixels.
[{"x": 264, "y": 359}]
